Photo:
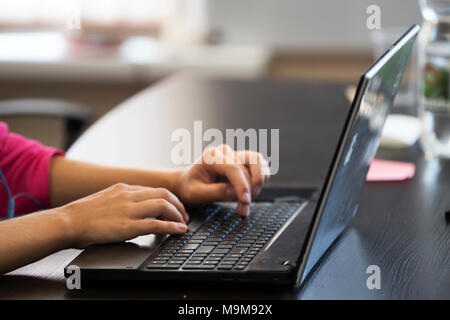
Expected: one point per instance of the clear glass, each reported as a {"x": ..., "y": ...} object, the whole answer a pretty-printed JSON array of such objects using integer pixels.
[{"x": 433, "y": 94}]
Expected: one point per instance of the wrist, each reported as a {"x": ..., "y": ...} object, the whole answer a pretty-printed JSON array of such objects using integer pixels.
[
  {"x": 66, "y": 226},
  {"x": 173, "y": 181}
]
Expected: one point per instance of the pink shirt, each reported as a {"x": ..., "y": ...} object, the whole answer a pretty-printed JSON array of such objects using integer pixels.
[{"x": 25, "y": 165}]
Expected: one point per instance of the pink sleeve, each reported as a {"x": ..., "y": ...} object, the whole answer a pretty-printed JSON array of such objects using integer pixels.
[{"x": 25, "y": 164}]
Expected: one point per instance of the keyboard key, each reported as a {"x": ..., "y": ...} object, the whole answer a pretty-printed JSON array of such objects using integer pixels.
[
  {"x": 191, "y": 246},
  {"x": 243, "y": 245},
  {"x": 199, "y": 255},
  {"x": 238, "y": 250},
  {"x": 186, "y": 251},
  {"x": 155, "y": 266},
  {"x": 229, "y": 257},
  {"x": 229, "y": 242},
  {"x": 180, "y": 261},
  {"x": 215, "y": 258},
  {"x": 229, "y": 261},
  {"x": 196, "y": 258},
  {"x": 181, "y": 255},
  {"x": 194, "y": 241},
  {"x": 211, "y": 243},
  {"x": 225, "y": 267},
  {"x": 221, "y": 251},
  {"x": 227, "y": 246},
  {"x": 164, "y": 255},
  {"x": 172, "y": 266},
  {"x": 199, "y": 267},
  {"x": 158, "y": 261},
  {"x": 235, "y": 255},
  {"x": 201, "y": 234},
  {"x": 205, "y": 249},
  {"x": 199, "y": 237}
]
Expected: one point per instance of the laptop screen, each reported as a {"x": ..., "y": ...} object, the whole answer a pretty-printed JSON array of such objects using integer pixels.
[{"x": 357, "y": 147}]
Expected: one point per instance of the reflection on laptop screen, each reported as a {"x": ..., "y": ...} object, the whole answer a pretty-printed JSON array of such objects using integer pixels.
[{"x": 357, "y": 148}]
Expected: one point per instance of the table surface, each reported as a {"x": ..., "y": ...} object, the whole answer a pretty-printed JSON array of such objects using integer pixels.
[{"x": 400, "y": 227}]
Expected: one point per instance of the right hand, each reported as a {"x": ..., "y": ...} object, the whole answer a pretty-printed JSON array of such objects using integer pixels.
[
  {"x": 222, "y": 174},
  {"x": 119, "y": 213}
]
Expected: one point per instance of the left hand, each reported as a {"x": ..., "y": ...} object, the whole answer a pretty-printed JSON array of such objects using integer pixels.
[{"x": 222, "y": 174}]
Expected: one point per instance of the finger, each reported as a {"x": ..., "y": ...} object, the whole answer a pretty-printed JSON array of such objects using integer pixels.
[
  {"x": 246, "y": 173},
  {"x": 156, "y": 226},
  {"x": 223, "y": 161},
  {"x": 252, "y": 161},
  {"x": 265, "y": 169},
  {"x": 211, "y": 192},
  {"x": 243, "y": 209},
  {"x": 160, "y": 193},
  {"x": 238, "y": 177},
  {"x": 232, "y": 158},
  {"x": 158, "y": 208},
  {"x": 240, "y": 183}
]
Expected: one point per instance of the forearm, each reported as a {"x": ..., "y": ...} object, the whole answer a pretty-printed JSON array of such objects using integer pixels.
[
  {"x": 71, "y": 180},
  {"x": 32, "y": 237}
]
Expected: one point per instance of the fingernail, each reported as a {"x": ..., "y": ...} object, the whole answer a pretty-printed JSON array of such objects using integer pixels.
[
  {"x": 246, "y": 197},
  {"x": 246, "y": 210},
  {"x": 181, "y": 227}
]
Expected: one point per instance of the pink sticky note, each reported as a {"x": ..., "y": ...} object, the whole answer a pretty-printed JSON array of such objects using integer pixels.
[{"x": 384, "y": 170}]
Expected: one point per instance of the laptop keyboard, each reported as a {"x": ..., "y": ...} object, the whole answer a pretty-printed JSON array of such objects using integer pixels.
[{"x": 224, "y": 241}]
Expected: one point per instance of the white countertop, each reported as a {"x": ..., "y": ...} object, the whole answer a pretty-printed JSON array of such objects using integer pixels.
[{"x": 48, "y": 56}]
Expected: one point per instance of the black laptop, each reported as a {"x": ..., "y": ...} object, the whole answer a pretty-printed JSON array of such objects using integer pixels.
[{"x": 283, "y": 238}]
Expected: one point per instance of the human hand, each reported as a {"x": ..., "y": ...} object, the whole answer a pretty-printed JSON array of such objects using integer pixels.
[
  {"x": 222, "y": 174},
  {"x": 120, "y": 213}
]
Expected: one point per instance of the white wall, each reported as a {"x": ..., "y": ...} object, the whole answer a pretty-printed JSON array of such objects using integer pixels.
[{"x": 338, "y": 25}]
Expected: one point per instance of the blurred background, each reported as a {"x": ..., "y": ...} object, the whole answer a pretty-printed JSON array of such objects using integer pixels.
[{"x": 63, "y": 64}]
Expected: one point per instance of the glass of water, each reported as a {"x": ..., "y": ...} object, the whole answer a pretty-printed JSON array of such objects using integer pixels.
[{"x": 434, "y": 78}]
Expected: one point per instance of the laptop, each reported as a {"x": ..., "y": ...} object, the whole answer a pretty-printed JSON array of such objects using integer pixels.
[{"x": 283, "y": 238}]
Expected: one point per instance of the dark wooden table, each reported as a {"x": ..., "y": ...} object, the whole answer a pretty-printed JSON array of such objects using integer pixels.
[{"x": 400, "y": 227}]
